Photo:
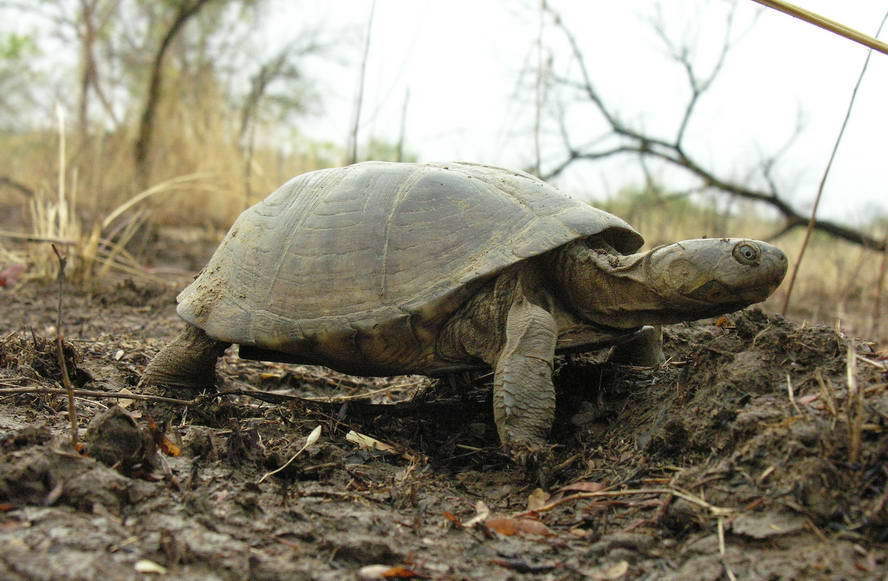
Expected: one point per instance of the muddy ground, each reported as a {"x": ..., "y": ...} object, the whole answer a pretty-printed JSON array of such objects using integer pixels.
[{"x": 746, "y": 456}]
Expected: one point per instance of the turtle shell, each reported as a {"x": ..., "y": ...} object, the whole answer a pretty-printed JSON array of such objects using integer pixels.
[{"x": 358, "y": 267}]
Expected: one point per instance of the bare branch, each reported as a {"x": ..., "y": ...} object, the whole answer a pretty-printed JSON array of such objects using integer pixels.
[
  {"x": 635, "y": 142},
  {"x": 768, "y": 163},
  {"x": 587, "y": 85},
  {"x": 588, "y": 156}
]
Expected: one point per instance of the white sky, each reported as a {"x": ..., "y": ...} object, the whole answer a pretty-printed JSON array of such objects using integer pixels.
[{"x": 462, "y": 61}]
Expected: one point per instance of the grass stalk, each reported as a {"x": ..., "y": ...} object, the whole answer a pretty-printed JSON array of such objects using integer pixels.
[
  {"x": 60, "y": 349},
  {"x": 832, "y": 156},
  {"x": 826, "y": 24}
]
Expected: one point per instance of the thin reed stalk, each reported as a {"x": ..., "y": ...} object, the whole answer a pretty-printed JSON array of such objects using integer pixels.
[{"x": 832, "y": 156}]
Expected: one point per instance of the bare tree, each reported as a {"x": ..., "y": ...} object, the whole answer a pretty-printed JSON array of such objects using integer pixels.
[
  {"x": 359, "y": 95},
  {"x": 282, "y": 68},
  {"x": 94, "y": 17},
  {"x": 187, "y": 9},
  {"x": 673, "y": 151}
]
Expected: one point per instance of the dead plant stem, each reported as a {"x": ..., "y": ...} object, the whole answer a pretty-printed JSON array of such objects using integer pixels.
[
  {"x": 854, "y": 409},
  {"x": 715, "y": 510},
  {"x": 826, "y": 24},
  {"x": 60, "y": 348},
  {"x": 813, "y": 220},
  {"x": 101, "y": 394}
]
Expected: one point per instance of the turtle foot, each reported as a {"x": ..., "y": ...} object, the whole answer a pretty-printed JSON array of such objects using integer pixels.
[
  {"x": 186, "y": 366},
  {"x": 537, "y": 460}
]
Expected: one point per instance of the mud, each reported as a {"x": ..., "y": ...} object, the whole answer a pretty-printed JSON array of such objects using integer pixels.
[{"x": 753, "y": 453}]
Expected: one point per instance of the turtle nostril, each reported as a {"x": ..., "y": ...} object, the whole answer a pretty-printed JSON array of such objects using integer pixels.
[{"x": 747, "y": 253}]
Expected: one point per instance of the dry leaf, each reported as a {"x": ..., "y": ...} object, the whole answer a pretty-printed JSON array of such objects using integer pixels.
[
  {"x": 168, "y": 447},
  {"x": 452, "y": 518},
  {"x": 149, "y": 567},
  {"x": 537, "y": 499},
  {"x": 615, "y": 571},
  {"x": 369, "y": 443},
  {"x": 399, "y": 572},
  {"x": 481, "y": 513},
  {"x": 125, "y": 403},
  {"x": 10, "y": 275},
  {"x": 371, "y": 572},
  {"x": 163, "y": 443},
  {"x": 517, "y": 526},
  {"x": 724, "y": 323},
  {"x": 585, "y": 486}
]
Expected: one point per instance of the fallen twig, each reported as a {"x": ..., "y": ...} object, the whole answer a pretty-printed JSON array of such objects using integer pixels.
[
  {"x": 356, "y": 396},
  {"x": 103, "y": 394},
  {"x": 715, "y": 510}
]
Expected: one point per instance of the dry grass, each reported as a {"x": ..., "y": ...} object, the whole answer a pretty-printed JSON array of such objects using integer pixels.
[{"x": 84, "y": 194}]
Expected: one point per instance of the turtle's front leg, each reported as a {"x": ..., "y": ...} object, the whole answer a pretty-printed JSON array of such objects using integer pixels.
[
  {"x": 189, "y": 361},
  {"x": 523, "y": 394}
]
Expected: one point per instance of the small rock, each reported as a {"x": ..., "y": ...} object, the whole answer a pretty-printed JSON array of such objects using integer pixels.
[
  {"x": 761, "y": 525},
  {"x": 623, "y": 543}
]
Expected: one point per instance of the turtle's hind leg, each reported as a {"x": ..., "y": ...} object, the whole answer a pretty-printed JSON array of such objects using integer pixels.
[{"x": 189, "y": 362}]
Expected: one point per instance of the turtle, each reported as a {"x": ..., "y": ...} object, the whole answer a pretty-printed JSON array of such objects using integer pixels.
[{"x": 385, "y": 268}]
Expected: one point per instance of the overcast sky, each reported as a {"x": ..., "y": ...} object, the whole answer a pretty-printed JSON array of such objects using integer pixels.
[{"x": 463, "y": 60}]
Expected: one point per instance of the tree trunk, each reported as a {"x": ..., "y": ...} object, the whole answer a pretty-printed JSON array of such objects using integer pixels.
[{"x": 142, "y": 152}]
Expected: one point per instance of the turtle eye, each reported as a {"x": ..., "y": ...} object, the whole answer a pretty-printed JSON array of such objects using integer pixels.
[{"x": 747, "y": 253}]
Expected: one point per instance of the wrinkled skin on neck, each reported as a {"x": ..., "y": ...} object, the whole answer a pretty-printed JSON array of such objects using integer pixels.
[{"x": 684, "y": 281}]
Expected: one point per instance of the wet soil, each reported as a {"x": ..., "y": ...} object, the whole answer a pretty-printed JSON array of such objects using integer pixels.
[{"x": 753, "y": 453}]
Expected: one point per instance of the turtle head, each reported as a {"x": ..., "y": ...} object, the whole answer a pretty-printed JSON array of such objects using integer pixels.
[
  {"x": 684, "y": 281},
  {"x": 712, "y": 276}
]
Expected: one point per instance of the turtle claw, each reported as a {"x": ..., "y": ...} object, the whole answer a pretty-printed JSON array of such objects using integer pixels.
[{"x": 537, "y": 460}]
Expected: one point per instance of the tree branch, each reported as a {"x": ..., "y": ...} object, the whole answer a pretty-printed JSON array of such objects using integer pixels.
[{"x": 638, "y": 143}]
